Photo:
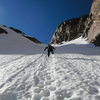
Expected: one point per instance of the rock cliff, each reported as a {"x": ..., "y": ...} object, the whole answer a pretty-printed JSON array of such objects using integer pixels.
[
  {"x": 87, "y": 26},
  {"x": 70, "y": 29},
  {"x": 94, "y": 32}
]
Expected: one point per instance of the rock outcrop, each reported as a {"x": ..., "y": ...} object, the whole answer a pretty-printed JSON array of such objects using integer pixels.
[
  {"x": 86, "y": 26},
  {"x": 2, "y": 31},
  {"x": 70, "y": 29},
  {"x": 94, "y": 32},
  {"x": 26, "y": 36}
]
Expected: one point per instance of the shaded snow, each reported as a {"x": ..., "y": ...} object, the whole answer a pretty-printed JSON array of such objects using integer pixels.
[
  {"x": 72, "y": 73},
  {"x": 14, "y": 43}
]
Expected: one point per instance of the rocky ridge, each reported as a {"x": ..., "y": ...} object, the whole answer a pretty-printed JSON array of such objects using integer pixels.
[
  {"x": 87, "y": 26},
  {"x": 70, "y": 29},
  {"x": 2, "y": 31},
  {"x": 94, "y": 32}
]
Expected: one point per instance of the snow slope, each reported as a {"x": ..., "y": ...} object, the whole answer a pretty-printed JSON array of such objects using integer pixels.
[
  {"x": 15, "y": 43},
  {"x": 26, "y": 73}
]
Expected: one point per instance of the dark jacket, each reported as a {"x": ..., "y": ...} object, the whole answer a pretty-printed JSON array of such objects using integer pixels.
[{"x": 49, "y": 48}]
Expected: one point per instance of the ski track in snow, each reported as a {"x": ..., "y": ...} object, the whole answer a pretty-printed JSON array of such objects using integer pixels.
[
  {"x": 26, "y": 73},
  {"x": 15, "y": 76},
  {"x": 63, "y": 78},
  {"x": 59, "y": 77}
]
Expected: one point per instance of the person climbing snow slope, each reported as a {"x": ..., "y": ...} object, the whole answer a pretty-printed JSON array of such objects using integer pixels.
[{"x": 50, "y": 49}]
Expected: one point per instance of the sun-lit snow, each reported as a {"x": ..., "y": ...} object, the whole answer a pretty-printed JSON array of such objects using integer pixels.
[{"x": 26, "y": 73}]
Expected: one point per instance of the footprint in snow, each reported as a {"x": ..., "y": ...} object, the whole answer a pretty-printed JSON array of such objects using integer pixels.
[
  {"x": 48, "y": 83},
  {"x": 37, "y": 96},
  {"x": 76, "y": 98},
  {"x": 45, "y": 92},
  {"x": 44, "y": 98},
  {"x": 37, "y": 90},
  {"x": 35, "y": 80},
  {"x": 52, "y": 88},
  {"x": 48, "y": 77},
  {"x": 93, "y": 90},
  {"x": 97, "y": 97},
  {"x": 40, "y": 85}
]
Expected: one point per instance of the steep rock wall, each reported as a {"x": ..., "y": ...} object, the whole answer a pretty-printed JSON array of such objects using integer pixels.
[
  {"x": 94, "y": 32},
  {"x": 70, "y": 29}
]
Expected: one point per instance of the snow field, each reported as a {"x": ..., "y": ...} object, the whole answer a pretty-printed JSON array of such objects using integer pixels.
[
  {"x": 26, "y": 73},
  {"x": 60, "y": 77},
  {"x": 43, "y": 88},
  {"x": 16, "y": 77},
  {"x": 68, "y": 78}
]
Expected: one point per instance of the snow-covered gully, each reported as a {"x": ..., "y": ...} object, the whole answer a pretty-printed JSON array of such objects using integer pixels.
[
  {"x": 59, "y": 77},
  {"x": 62, "y": 77},
  {"x": 27, "y": 73}
]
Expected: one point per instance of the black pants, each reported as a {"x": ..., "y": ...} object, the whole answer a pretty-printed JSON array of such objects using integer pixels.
[{"x": 50, "y": 52}]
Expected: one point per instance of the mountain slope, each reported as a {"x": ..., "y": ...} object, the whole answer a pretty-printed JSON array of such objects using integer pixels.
[
  {"x": 72, "y": 73},
  {"x": 94, "y": 32},
  {"x": 15, "y": 43},
  {"x": 28, "y": 37},
  {"x": 87, "y": 26},
  {"x": 70, "y": 30}
]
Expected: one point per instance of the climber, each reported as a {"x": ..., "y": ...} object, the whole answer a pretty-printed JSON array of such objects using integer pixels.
[{"x": 49, "y": 49}]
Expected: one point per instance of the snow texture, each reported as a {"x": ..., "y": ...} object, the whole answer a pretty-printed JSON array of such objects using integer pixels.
[{"x": 26, "y": 72}]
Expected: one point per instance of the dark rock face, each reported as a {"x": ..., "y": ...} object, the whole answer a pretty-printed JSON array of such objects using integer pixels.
[
  {"x": 96, "y": 41},
  {"x": 16, "y": 30},
  {"x": 71, "y": 29},
  {"x": 26, "y": 36},
  {"x": 86, "y": 26},
  {"x": 3, "y": 31},
  {"x": 32, "y": 39}
]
